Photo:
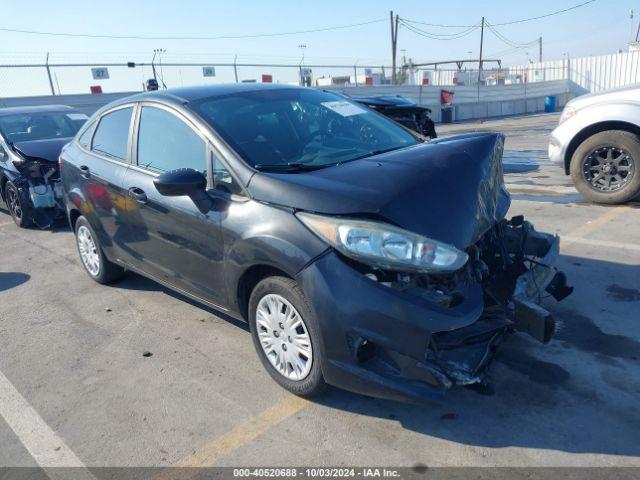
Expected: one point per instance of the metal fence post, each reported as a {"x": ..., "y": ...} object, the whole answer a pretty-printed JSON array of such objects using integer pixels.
[{"x": 53, "y": 92}]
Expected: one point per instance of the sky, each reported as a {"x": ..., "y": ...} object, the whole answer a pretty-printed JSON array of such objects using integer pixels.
[{"x": 601, "y": 27}]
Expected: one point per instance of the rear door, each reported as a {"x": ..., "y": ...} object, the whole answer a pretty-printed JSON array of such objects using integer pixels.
[
  {"x": 104, "y": 158},
  {"x": 175, "y": 243}
]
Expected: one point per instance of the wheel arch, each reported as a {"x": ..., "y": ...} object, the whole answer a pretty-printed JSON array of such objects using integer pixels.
[
  {"x": 249, "y": 279},
  {"x": 591, "y": 130},
  {"x": 74, "y": 214}
]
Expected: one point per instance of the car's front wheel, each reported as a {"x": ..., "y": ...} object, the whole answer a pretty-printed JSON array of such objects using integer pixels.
[
  {"x": 286, "y": 335},
  {"x": 92, "y": 256},
  {"x": 16, "y": 205},
  {"x": 604, "y": 168}
]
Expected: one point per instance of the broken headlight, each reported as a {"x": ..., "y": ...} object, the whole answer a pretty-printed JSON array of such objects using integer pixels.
[{"x": 383, "y": 245}]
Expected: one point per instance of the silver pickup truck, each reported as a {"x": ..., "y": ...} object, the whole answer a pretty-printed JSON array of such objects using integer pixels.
[{"x": 597, "y": 141}]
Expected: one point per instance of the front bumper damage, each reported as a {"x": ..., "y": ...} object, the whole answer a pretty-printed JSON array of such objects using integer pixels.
[
  {"x": 40, "y": 191},
  {"x": 414, "y": 338}
]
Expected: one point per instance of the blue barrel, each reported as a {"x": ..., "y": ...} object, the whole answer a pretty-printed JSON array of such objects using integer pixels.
[{"x": 550, "y": 104}]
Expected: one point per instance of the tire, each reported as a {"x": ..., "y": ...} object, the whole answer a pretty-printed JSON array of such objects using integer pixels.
[
  {"x": 16, "y": 205},
  {"x": 92, "y": 256},
  {"x": 267, "y": 293},
  {"x": 612, "y": 149}
]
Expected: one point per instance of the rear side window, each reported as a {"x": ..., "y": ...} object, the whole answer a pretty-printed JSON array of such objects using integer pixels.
[
  {"x": 166, "y": 143},
  {"x": 112, "y": 135}
]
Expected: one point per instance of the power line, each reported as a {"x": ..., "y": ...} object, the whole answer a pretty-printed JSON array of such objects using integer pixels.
[
  {"x": 507, "y": 41},
  {"x": 522, "y": 20},
  {"x": 439, "y": 36},
  {"x": 557, "y": 12},
  {"x": 220, "y": 37}
]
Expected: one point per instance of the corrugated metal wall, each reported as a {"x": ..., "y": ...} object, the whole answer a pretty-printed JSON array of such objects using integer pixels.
[{"x": 593, "y": 74}]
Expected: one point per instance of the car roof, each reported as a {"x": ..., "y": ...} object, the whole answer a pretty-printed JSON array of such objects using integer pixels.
[
  {"x": 190, "y": 94},
  {"x": 35, "y": 109}
]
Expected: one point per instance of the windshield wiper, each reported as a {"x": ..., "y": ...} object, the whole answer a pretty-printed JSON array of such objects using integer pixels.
[
  {"x": 289, "y": 167},
  {"x": 375, "y": 152}
]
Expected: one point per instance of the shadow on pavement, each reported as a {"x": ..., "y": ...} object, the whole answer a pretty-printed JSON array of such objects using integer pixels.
[{"x": 9, "y": 280}]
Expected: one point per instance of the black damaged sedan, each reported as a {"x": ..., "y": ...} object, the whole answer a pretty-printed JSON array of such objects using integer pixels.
[
  {"x": 31, "y": 139},
  {"x": 360, "y": 256}
]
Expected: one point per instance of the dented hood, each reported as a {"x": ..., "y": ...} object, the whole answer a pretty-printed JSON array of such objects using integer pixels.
[
  {"x": 450, "y": 190},
  {"x": 48, "y": 149}
]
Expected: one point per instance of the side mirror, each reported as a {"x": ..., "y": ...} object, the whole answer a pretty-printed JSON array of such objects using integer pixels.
[{"x": 185, "y": 182}]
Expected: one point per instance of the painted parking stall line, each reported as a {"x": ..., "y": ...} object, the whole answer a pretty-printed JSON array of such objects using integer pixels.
[{"x": 48, "y": 450}]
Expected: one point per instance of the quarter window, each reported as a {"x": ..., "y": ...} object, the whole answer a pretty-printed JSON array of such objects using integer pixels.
[
  {"x": 85, "y": 138},
  {"x": 166, "y": 143},
  {"x": 112, "y": 135},
  {"x": 222, "y": 179}
]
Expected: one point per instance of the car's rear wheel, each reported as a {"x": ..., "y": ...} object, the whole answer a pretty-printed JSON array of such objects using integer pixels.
[
  {"x": 92, "y": 256},
  {"x": 16, "y": 205},
  {"x": 604, "y": 168},
  {"x": 286, "y": 335}
]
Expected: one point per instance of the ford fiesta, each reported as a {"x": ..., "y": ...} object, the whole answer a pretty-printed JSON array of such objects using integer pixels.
[{"x": 360, "y": 255}]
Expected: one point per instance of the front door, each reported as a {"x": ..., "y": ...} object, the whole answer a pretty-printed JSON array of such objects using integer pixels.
[{"x": 173, "y": 241}]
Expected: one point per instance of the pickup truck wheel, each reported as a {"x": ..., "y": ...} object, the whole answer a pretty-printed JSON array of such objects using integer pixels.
[
  {"x": 93, "y": 259},
  {"x": 15, "y": 205},
  {"x": 604, "y": 168},
  {"x": 286, "y": 336}
]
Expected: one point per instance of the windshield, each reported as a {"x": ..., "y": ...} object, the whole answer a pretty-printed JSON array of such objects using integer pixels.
[
  {"x": 292, "y": 129},
  {"x": 25, "y": 127}
]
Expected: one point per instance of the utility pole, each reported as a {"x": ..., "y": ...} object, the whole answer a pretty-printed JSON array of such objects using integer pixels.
[
  {"x": 540, "y": 50},
  {"x": 53, "y": 92},
  {"x": 394, "y": 44},
  {"x": 480, "y": 58}
]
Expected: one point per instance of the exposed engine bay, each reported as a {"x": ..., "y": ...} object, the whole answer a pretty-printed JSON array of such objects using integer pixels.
[{"x": 41, "y": 191}]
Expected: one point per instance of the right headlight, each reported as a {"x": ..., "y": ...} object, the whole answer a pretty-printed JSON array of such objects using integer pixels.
[
  {"x": 566, "y": 114},
  {"x": 383, "y": 245}
]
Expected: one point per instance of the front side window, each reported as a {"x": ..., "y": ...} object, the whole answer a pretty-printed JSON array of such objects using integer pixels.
[
  {"x": 166, "y": 143},
  {"x": 112, "y": 135},
  {"x": 299, "y": 128}
]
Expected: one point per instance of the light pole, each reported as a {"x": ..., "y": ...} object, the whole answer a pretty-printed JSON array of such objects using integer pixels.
[
  {"x": 158, "y": 52},
  {"x": 302, "y": 47}
]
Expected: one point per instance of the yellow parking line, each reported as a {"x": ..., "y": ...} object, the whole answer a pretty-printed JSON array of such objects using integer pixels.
[
  {"x": 591, "y": 226},
  {"x": 239, "y": 436}
]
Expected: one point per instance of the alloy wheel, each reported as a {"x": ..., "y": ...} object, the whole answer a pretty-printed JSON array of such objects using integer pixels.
[
  {"x": 13, "y": 202},
  {"x": 284, "y": 337},
  {"x": 608, "y": 169},
  {"x": 88, "y": 251}
]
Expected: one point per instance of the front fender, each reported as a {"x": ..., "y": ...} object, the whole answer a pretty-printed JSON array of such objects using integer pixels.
[{"x": 278, "y": 240}]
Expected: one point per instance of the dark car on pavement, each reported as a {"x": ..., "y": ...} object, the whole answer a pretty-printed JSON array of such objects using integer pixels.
[
  {"x": 356, "y": 255},
  {"x": 31, "y": 139},
  {"x": 402, "y": 110}
]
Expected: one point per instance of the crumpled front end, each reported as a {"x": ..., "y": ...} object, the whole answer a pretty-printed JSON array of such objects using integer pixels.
[
  {"x": 414, "y": 336},
  {"x": 38, "y": 181},
  {"x": 410, "y": 335}
]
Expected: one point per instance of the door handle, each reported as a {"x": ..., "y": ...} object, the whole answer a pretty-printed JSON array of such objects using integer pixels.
[
  {"x": 84, "y": 171},
  {"x": 138, "y": 194}
]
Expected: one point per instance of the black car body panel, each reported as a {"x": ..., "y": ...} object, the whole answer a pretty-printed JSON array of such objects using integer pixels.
[
  {"x": 47, "y": 150},
  {"x": 393, "y": 334}
]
